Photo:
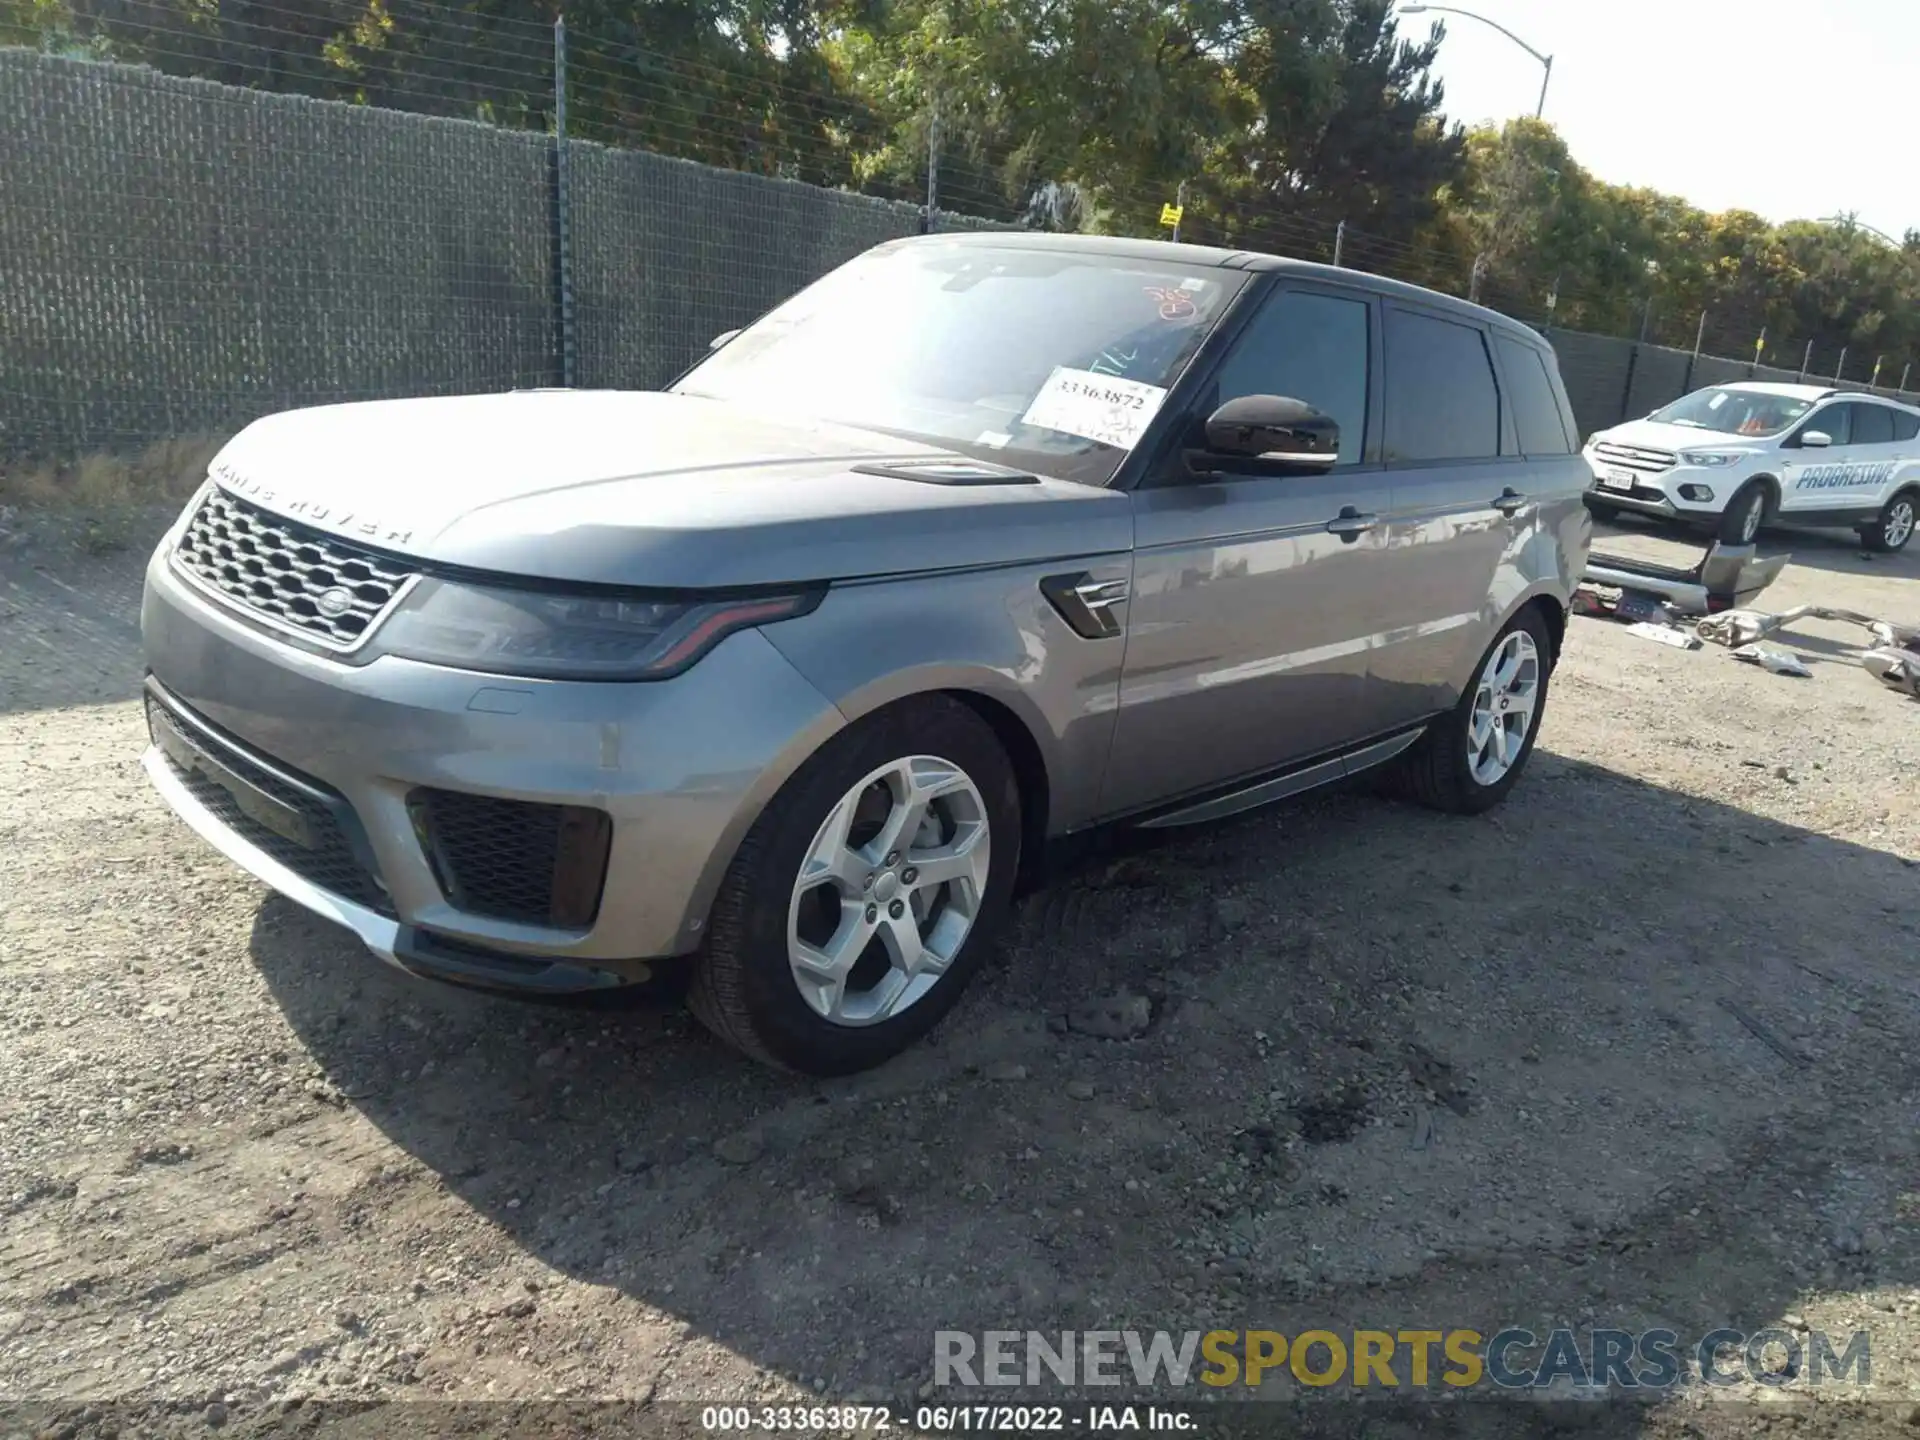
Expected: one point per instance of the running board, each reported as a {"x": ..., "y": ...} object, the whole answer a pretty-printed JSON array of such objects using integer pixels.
[{"x": 1280, "y": 787}]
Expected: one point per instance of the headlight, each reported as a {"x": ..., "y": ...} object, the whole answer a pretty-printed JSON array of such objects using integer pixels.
[
  {"x": 1712, "y": 459},
  {"x": 544, "y": 635}
]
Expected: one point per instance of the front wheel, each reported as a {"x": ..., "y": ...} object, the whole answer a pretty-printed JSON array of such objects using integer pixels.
[
  {"x": 866, "y": 895},
  {"x": 1894, "y": 526},
  {"x": 1740, "y": 524},
  {"x": 1470, "y": 758}
]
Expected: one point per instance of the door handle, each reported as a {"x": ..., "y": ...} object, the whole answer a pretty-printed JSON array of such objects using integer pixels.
[
  {"x": 1350, "y": 524},
  {"x": 1510, "y": 501}
]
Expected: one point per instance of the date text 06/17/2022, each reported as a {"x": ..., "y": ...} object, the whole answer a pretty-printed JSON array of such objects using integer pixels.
[{"x": 947, "y": 1419}]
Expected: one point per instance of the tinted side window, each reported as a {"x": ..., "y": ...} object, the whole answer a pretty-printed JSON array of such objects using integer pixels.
[
  {"x": 1307, "y": 347},
  {"x": 1832, "y": 420},
  {"x": 1905, "y": 425},
  {"x": 1872, "y": 425},
  {"x": 1442, "y": 403},
  {"x": 1536, "y": 411}
]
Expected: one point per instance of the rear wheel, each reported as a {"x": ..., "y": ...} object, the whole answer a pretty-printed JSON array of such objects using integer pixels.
[
  {"x": 1469, "y": 759},
  {"x": 1895, "y": 525},
  {"x": 1740, "y": 522},
  {"x": 865, "y": 897}
]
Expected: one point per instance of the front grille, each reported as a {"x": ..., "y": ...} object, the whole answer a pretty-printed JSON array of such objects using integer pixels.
[
  {"x": 286, "y": 574},
  {"x": 1634, "y": 457},
  {"x": 329, "y": 862},
  {"x": 514, "y": 859}
]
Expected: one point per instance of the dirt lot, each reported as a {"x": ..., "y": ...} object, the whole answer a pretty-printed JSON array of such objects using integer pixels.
[{"x": 1635, "y": 1052}]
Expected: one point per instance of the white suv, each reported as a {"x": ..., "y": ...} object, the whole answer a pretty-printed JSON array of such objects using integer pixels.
[{"x": 1734, "y": 457}]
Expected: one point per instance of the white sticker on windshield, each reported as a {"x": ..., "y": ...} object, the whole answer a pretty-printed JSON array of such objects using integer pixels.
[{"x": 1095, "y": 407}]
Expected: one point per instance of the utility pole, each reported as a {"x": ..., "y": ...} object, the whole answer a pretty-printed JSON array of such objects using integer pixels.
[
  {"x": 931, "y": 219},
  {"x": 1693, "y": 360},
  {"x": 562, "y": 205}
]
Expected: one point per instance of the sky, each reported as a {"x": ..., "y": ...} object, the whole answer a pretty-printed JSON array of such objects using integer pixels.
[{"x": 1791, "y": 110}]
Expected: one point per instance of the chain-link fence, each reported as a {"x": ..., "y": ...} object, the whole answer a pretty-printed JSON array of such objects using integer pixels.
[{"x": 179, "y": 255}]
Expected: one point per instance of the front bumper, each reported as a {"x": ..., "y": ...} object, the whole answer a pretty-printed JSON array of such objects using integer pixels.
[
  {"x": 1659, "y": 492},
  {"x": 681, "y": 767},
  {"x": 1641, "y": 498}
]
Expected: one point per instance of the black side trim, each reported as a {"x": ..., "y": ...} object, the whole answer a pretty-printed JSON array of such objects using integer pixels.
[
  {"x": 1240, "y": 783},
  {"x": 1826, "y": 519}
]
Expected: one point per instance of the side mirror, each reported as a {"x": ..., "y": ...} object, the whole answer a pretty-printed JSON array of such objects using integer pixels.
[
  {"x": 1815, "y": 439},
  {"x": 1276, "y": 429},
  {"x": 721, "y": 339}
]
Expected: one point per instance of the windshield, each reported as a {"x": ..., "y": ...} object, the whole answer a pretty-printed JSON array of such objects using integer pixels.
[
  {"x": 1734, "y": 412},
  {"x": 1051, "y": 361}
]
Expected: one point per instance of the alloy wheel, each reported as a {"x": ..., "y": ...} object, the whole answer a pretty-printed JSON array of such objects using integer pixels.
[
  {"x": 1503, "y": 703},
  {"x": 1899, "y": 526},
  {"x": 889, "y": 890}
]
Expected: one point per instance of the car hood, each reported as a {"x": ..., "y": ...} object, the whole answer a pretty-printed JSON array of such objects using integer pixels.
[
  {"x": 645, "y": 489},
  {"x": 1655, "y": 436}
]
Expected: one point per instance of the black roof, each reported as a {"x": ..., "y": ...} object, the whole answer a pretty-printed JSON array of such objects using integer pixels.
[{"x": 1166, "y": 252}]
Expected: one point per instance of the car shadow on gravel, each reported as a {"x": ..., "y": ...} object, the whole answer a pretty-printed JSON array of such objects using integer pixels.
[{"x": 1616, "y": 1056}]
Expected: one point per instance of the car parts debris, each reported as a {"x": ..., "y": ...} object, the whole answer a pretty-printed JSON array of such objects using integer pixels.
[
  {"x": 1895, "y": 666},
  {"x": 1728, "y": 576},
  {"x": 1772, "y": 657},
  {"x": 1744, "y": 627},
  {"x": 1665, "y": 634}
]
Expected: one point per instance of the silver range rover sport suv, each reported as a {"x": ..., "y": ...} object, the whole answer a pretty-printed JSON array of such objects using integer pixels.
[{"x": 795, "y": 669}]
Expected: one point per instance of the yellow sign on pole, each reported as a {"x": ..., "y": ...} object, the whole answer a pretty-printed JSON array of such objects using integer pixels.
[{"x": 1170, "y": 214}]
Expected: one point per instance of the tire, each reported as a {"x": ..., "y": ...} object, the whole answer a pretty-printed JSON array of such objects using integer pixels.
[
  {"x": 1437, "y": 770},
  {"x": 747, "y": 985},
  {"x": 1740, "y": 522},
  {"x": 1896, "y": 523}
]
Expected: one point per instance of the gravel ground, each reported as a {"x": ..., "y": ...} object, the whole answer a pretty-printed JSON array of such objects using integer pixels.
[{"x": 1635, "y": 1051}]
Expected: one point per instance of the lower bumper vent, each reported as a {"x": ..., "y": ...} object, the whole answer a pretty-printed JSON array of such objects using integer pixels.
[{"x": 514, "y": 859}]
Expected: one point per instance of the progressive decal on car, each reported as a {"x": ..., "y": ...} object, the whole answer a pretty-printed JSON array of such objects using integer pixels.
[{"x": 1844, "y": 477}]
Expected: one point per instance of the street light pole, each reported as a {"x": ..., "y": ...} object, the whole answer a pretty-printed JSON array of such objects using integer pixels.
[{"x": 1414, "y": 7}]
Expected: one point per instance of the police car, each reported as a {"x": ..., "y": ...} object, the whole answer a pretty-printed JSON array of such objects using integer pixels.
[{"x": 1735, "y": 457}]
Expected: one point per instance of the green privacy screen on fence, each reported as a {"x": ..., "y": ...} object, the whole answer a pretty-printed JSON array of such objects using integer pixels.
[{"x": 179, "y": 256}]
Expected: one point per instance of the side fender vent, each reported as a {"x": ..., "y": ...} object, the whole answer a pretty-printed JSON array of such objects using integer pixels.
[{"x": 1086, "y": 603}]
